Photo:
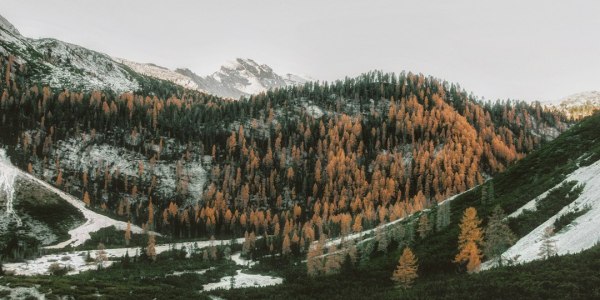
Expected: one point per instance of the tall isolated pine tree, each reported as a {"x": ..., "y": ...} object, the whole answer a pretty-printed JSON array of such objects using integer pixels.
[
  {"x": 151, "y": 250},
  {"x": 128, "y": 233},
  {"x": 548, "y": 247},
  {"x": 314, "y": 259},
  {"x": 424, "y": 226},
  {"x": 469, "y": 240},
  {"x": 498, "y": 236},
  {"x": 487, "y": 195},
  {"x": 442, "y": 218},
  {"x": 406, "y": 272}
]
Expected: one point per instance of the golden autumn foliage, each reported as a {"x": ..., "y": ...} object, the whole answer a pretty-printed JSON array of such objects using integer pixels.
[
  {"x": 282, "y": 177},
  {"x": 469, "y": 240},
  {"x": 285, "y": 246},
  {"x": 59, "y": 179},
  {"x": 151, "y": 249},
  {"x": 128, "y": 233},
  {"x": 86, "y": 199},
  {"x": 406, "y": 271}
]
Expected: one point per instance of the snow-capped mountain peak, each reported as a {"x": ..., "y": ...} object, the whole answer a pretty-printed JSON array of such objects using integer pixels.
[
  {"x": 242, "y": 77},
  {"x": 67, "y": 65},
  {"x": 248, "y": 64},
  {"x": 234, "y": 79},
  {"x": 248, "y": 77}
]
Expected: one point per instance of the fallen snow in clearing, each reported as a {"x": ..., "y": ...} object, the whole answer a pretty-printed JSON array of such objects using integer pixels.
[
  {"x": 76, "y": 260},
  {"x": 20, "y": 292},
  {"x": 313, "y": 110},
  {"x": 582, "y": 234},
  {"x": 8, "y": 176},
  {"x": 237, "y": 258},
  {"x": 199, "y": 272},
  {"x": 243, "y": 280}
]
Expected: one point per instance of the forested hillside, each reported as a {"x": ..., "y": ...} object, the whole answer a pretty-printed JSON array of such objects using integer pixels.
[
  {"x": 367, "y": 268},
  {"x": 292, "y": 164}
]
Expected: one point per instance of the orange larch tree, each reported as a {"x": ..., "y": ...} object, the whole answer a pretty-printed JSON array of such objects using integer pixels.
[
  {"x": 469, "y": 240},
  {"x": 406, "y": 271}
]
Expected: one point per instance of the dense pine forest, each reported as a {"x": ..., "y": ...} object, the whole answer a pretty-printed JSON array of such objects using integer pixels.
[
  {"x": 293, "y": 150},
  {"x": 292, "y": 165}
]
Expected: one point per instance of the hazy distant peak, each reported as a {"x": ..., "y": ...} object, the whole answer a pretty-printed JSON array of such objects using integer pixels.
[
  {"x": 582, "y": 98},
  {"x": 579, "y": 105}
]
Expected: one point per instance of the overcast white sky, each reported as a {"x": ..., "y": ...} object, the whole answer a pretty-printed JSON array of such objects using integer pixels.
[{"x": 532, "y": 50}]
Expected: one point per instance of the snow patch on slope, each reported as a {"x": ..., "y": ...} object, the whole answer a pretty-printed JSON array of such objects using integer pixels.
[
  {"x": 75, "y": 66},
  {"x": 313, "y": 110},
  {"x": 19, "y": 292},
  {"x": 78, "y": 155},
  {"x": 582, "y": 234},
  {"x": 94, "y": 221},
  {"x": 76, "y": 260},
  {"x": 11, "y": 39},
  {"x": 8, "y": 176},
  {"x": 243, "y": 280}
]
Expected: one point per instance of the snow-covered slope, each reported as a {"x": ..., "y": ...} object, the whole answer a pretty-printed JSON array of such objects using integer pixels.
[
  {"x": 582, "y": 234},
  {"x": 160, "y": 73},
  {"x": 64, "y": 65},
  {"x": 80, "y": 234},
  {"x": 81, "y": 68}
]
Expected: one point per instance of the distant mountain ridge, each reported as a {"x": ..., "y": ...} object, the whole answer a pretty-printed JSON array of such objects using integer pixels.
[
  {"x": 241, "y": 77},
  {"x": 64, "y": 65},
  {"x": 59, "y": 64}
]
